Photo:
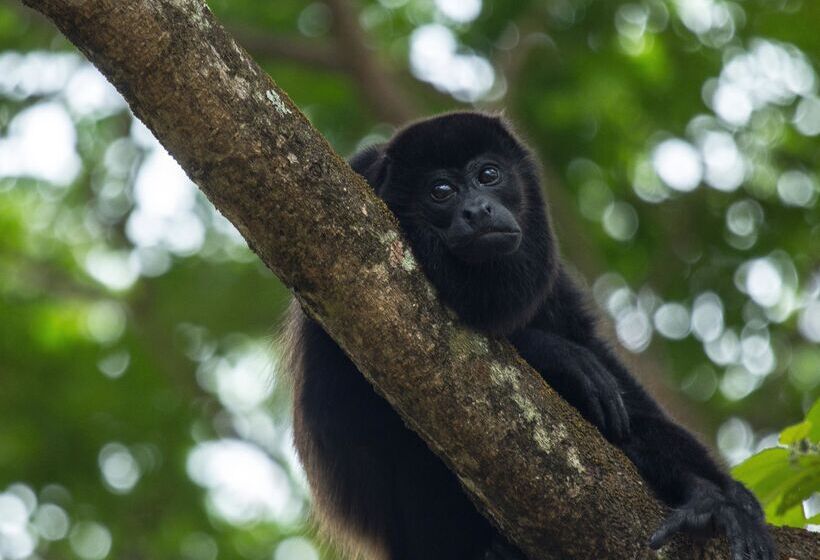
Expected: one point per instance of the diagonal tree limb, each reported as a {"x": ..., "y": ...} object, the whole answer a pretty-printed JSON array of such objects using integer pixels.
[{"x": 528, "y": 460}]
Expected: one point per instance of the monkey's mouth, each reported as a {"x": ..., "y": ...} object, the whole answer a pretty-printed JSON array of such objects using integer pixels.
[
  {"x": 487, "y": 245},
  {"x": 497, "y": 234}
]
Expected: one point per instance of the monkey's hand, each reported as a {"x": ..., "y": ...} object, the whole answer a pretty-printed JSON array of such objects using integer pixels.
[
  {"x": 579, "y": 377},
  {"x": 598, "y": 395},
  {"x": 711, "y": 511}
]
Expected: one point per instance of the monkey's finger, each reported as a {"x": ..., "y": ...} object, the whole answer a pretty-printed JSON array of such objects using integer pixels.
[
  {"x": 761, "y": 545},
  {"x": 771, "y": 547},
  {"x": 699, "y": 523},
  {"x": 626, "y": 426},
  {"x": 749, "y": 550},
  {"x": 668, "y": 528},
  {"x": 766, "y": 541},
  {"x": 618, "y": 417},
  {"x": 625, "y": 415},
  {"x": 770, "y": 550},
  {"x": 757, "y": 551},
  {"x": 616, "y": 414},
  {"x": 597, "y": 413},
  {"x": 737, "y": 537},
  {"x": 613, "y": 419}
]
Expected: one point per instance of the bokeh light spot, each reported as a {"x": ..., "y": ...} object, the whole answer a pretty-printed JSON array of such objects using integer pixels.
[
  {"x": 434, "y": 58},
  {"x": 119, "y": 468},
  {"x": 707, "y": 317},
  {"x": 90, "y": 540},
  {"x": 672, "y": 321},
  {"x": 244, "y": 484},
  {"x": 620, "y": 221},
  {"x": 735, "y": 439},
  {"x": 807, "y": 116},
  {"x": 796, "y": 188},
  {"x": 459, "y": 11},
  {"x": 296, "y": 548},
  {"x": 763, "y": 282},
  {"x": 51, "y": 522},
  {"x": 678, "y": 164},
  {"x": 44, "y": 128}
]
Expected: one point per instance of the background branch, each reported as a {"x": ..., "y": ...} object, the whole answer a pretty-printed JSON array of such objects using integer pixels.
[
  {"x": 348, "y": 53},
  {"x": 296, "y": 49},
  {"x": 376, "y": 84}
]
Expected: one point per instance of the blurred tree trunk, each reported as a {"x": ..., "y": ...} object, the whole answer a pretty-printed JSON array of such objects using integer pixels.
[{"x": 527, "y": 459}]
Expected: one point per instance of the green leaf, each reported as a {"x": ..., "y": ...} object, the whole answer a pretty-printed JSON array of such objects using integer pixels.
[
  {"x": 807, "y": 429},
  {"x": 801, "y": 488},
  {"x": 759, "y": 467},
  {"x": 793, "y": 434},
  {"x": 792, "y": 517},
  {"x": 813, "y": 418}
]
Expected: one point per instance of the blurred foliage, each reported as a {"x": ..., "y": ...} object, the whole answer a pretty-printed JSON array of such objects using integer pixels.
[
  {"x": 784, "y": 477},
  {"x": 141, "y": 413}
]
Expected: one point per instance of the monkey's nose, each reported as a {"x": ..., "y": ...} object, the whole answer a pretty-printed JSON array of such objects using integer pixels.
[{"x": 476, "y": 211}]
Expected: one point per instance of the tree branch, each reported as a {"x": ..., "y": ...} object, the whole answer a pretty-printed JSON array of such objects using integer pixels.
[
  {"x": 376, "y": 83},
  {"x": 526, "y": 457},
  {"x": 296, "y": 49},
  {"x": 348, "y": 54}
]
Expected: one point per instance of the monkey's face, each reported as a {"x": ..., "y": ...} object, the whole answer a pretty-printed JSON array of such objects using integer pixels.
[
  {"x": 473, "y": 209},
  {"x": 467, "y": 195},
  {"x": 456, "y": 179}
]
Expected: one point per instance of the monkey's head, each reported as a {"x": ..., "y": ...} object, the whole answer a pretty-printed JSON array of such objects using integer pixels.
[{"x": 467, "y": 195}]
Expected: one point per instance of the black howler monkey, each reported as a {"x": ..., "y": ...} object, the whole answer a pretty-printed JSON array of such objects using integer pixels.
[{"x": 467, "y": 195}]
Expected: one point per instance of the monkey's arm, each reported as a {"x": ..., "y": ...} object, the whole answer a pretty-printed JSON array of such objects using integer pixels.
[
  {"x": 579, "y": 377},
  {"x": 706, "y": 498},
  {"x": 682, "y": 473},
  {"x": 676, "y": 466}
]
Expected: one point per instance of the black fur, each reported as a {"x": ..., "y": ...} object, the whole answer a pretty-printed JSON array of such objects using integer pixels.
[{"x": 375, "y": 483}]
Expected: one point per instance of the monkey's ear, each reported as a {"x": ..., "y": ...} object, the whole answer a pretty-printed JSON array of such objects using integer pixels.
[
  {"x": 373, "y": 164},
  {"x": 380, "y": 173}
]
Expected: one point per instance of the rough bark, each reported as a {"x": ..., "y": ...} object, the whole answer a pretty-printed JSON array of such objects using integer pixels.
[{"x": 529, "y": 461}]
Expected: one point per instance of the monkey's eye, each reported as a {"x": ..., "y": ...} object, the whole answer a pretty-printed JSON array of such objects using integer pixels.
[
  {"x": 442, "y": 191},
  {"x": 489, "y": 175}
]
